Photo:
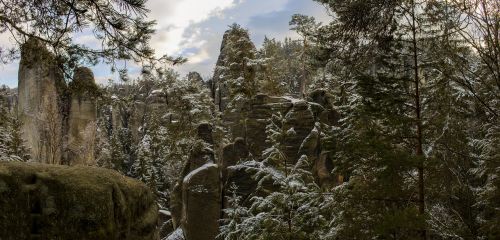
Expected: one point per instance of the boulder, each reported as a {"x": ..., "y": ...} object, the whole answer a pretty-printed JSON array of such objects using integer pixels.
[{"x": 58, "y": 202}]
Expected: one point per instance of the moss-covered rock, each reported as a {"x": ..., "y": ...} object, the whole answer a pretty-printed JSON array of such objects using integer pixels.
[{"x": 57, "y": 202}]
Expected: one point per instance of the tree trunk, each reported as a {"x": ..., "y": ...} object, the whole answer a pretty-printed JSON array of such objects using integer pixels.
[{"x": 418, "y": 120}]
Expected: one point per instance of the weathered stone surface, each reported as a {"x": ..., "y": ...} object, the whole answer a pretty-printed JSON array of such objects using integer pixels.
[
  {"x": 232, "y": 154},
  {"x": 201, "y": 203},
  {"x": 323, "y": 170},
  {"x": 58, "y": 202},
  {"x": 249, "y": 119},
  {"x": 40, "y": 87},
  {"x": 82, "y": 118},
  {"x": 302, "y": 120},
  {"x": 205, "y": 132},
  {"x": 198, "y": 157},
  {"x": 242, "y": 182}
]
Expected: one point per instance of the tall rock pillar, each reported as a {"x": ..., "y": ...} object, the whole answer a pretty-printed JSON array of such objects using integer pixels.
[
  {"x": 39, "y": 104},
  {"x": 82, "y": 118}
]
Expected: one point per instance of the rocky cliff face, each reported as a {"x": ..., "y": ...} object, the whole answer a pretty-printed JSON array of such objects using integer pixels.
[
  {"x": 303, "y": 119},
  {"x": 200, "y": 195},
  {"x": 58, "y": 121},
  {"x": 40, "y": 105},
  {"x": 56, "y": 202},
  {"x": 220, "y": 91}
]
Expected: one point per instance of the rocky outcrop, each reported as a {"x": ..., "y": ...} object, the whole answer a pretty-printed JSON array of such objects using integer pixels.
[
  {"x": 304, "y": 121},
  {"x": 299, "y": 118},
  {"x": 82, "y": 118},
  {"x": 40, "y": 103},
  {"x": 58, "y": 121},
  {"x": 233, "y": 154},
  {"x": 202, "y": 192},
  {"x": 57, "y": 202},
  {"x": 196, "y": 199},
  {"x": 232, "y": 66},
  {"x": 201, "y": 205}
]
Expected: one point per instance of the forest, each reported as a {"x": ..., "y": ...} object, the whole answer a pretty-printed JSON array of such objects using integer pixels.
[{"x": 382, "y": 123}]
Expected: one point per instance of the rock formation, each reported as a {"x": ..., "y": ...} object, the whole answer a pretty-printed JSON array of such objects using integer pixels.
[
  {"x": 233, "y": 154},
  {"x": 219, "y": 88},
  {"x": 57, "y": 202},
  {"x": 40, "y": 104},
  {"x": 196, "y": 199},
  {"x": 82, "y": 118},
  {"x": 201, "y": 203},
  {"x": 200, "y": 195},
  {"x": 301, "y": 117},
  {"x": 233, "y": 71},
  {"x": 58, "y": 121}
]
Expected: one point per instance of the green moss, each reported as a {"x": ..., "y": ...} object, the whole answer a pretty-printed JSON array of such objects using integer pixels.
[
  {"x": 83, "y": 84},
  {"x": 74, "y": 203}
]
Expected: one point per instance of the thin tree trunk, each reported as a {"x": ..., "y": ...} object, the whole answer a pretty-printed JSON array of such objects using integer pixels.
[{"x": 418, "y": 113}]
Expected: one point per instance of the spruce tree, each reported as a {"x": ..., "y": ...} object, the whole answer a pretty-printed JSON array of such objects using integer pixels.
[{"x": 394, "y": 76}]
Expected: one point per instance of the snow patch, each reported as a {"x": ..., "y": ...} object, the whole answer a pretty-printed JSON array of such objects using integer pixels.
[
  {"x": 178, "y": 234},
  {"x": 196, "y": 171}
]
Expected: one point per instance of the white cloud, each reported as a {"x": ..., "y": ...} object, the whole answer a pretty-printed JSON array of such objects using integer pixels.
[
  {"x": 175, "y": 16},
  {"x": 194, "y": 29}
]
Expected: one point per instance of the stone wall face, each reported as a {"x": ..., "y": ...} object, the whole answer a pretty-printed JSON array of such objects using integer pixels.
[
  {"x": 39, "y": 103},
  {"x": 42, "y": 201}
]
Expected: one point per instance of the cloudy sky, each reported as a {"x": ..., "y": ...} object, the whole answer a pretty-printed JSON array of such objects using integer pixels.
[{"x": 194, "y": 29}]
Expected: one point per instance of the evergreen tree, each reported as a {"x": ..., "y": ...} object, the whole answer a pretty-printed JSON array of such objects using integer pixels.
[
  {"x": 271, "y": 59},
  {"x": 292, "y": 209},
  {"x": 281, "y": 67},
  {"x": 393, "y": 76},
  {"x": 304, "y": 26},
  {"x": 120, "y": 27},
  {"x": 12, "y": 146}
]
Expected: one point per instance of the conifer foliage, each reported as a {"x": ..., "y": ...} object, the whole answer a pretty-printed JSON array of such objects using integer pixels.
[{"x": 12, "y": 146}]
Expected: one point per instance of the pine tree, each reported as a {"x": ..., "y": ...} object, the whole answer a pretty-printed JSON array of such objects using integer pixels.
[
  {"x": 12, "y": 146},
  {"x": 291, "y": 209},
  {"x": 272, "y": 69},
  {"x": 394, "y": 76},
  {"x": 304, "y": 26}
]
